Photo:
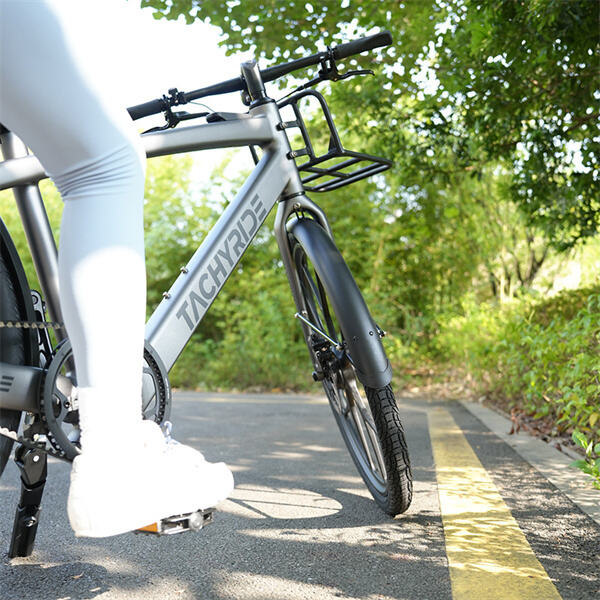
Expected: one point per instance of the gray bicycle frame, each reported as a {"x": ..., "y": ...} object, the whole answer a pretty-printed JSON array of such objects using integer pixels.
[{"x": 275, "y": 178}]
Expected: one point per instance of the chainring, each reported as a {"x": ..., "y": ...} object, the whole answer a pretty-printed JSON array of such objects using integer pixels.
[{"x": 59, "y": 407}]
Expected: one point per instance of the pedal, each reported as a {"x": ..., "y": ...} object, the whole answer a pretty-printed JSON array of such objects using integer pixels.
[{"x": 180, "y": 523}]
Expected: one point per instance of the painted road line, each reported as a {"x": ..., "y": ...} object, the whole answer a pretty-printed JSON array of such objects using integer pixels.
[
  {"x": 548, "y": 461},
  {"x": 488, "y": 555}
]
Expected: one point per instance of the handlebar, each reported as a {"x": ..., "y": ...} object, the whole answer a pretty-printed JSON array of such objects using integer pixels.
[
  {"x": 153, "y": 107},
  {"x": 370, "y": 42},
  {"x": 339, "y": 52}
]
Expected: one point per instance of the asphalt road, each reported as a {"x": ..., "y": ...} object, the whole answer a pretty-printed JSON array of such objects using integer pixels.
[{"x": 301, "y": 524}]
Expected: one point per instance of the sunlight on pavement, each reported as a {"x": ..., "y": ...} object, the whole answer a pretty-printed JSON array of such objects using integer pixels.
[
  {"x": 262, "y": 502},
  {"x": 247, "y": 586},
  {"x": 361, "y": 492},
  {"x": 377, "y": 539},
  {"x": 488, "y": 554}
]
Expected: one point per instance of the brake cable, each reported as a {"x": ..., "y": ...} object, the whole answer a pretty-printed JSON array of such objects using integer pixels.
[{"x": 328, "y": 72}]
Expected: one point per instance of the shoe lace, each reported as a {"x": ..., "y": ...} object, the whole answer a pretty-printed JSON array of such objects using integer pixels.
[{"x": 167, "y": 428}]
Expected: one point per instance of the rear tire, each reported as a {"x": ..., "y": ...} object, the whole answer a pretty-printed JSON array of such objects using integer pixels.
[
  {"x": 16, "y": 345},
  {"x": 367, "y": 417}
]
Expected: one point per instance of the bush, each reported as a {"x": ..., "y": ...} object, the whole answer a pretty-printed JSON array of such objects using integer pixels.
[
  {"x": 262, "y": 348},
  {"x": 542, "y": 356}
]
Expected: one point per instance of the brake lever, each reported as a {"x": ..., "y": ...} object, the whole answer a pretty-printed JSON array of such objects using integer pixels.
[
  {"x": 174, "y": 118},
  {"x": 329, "y": 72},
  {"x": 354, "y": 73},
  {"x": 338, "y": 77}
]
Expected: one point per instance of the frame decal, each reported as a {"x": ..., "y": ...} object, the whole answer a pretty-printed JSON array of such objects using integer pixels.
[{"x": 221, "y": 263}]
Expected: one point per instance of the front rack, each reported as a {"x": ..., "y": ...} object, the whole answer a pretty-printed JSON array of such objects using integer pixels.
[{"x": 337, "y": 167}]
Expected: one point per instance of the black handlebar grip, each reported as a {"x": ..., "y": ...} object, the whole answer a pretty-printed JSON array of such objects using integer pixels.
[
  {"x": 384, "y": 38},
  {"x": 146, "y": 109}
]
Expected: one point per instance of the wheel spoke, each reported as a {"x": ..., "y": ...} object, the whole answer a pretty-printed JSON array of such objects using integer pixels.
[
  {"x": 312, "y": 299},
  {"x": 367, "y": 418},
  {"x": 358, "y": 422},
  {"x": 149, "y": 407},
  {"x": 327, "y": 313},
  {"x": 375, "y": 441}
]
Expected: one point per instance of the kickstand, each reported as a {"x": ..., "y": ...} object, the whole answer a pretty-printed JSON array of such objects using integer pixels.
[{"x": 34, "y": 468}]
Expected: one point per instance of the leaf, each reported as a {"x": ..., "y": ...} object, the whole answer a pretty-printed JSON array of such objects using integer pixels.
[
  {"x": 579, "y": 438},
  {"x": 580, "y": 464}
]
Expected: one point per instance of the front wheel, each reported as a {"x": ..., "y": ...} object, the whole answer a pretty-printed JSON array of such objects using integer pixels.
[{"x": 368, "y": 417}]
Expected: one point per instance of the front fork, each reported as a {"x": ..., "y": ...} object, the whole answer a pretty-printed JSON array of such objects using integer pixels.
[{"x": 288, "y": 208}]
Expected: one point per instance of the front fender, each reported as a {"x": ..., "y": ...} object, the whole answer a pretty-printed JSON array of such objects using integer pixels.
[{"x": 373, "y": 369}]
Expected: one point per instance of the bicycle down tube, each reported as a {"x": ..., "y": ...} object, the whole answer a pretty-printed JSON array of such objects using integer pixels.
[{"x": 175, "y": 319}]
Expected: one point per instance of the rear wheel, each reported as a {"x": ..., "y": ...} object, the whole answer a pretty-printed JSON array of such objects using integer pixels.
[
  {"x": 367, "y": 417},
  {"x": 16, "y": 345}
]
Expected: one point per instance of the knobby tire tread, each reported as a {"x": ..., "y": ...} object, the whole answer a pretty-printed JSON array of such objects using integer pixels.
[{"x": 393, "y": 445}]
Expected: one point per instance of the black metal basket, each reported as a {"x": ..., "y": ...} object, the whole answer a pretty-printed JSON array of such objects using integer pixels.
[{"x": 337, "y": 167}]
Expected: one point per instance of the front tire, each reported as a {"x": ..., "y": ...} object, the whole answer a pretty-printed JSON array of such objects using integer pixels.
[{"x": 368, "y": 417}]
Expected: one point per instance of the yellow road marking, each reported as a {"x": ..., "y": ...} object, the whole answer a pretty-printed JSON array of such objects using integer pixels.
[{"x": 488, "y": 555}]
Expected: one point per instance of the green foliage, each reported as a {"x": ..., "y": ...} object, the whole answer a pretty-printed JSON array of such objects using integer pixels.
[
  {"x": 525, "y": 76},
  {"x": 175, "y": 220},
  {"x": 10, "y": 216},
  {"x": 289, "y": 28},
  {"x": 254, "y": 341},
  {"x": 249, "y": 338},
  {"x": 543, "y": 356},
  {"x": 466, "y": 84},
  {"x": 591, "y": 463}
]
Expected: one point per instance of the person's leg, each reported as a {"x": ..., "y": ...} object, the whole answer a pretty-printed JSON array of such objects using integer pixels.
[
  {"x": 103, "y": 285},
  {"x": 93, "y": 155}
]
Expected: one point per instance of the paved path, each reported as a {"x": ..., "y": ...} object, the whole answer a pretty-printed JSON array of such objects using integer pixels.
[{"x": 301, "y": 524}]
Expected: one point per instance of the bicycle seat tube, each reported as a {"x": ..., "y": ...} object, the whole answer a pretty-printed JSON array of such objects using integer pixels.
[{"x": 37, "y": 229}]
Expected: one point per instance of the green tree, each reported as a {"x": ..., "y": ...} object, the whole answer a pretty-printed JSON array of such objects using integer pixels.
[
  {"x": 175, "y": 221},
  {"x": 468, "y": 83}
]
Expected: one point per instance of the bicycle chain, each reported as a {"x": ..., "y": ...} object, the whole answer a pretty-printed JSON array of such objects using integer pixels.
[
  {"x": 31, "y": 444},
  {"x": 32, "y": 324},
  {"x": 50, "y": 445},
  {"x": 48, "y": 448}
]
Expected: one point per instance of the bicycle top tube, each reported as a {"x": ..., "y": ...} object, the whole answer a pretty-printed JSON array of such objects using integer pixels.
[{"x": 339, "y": 52}]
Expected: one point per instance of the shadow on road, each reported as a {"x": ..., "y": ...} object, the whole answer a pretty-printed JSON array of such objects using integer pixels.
[
  {"x": 300, "y": 524},
  {"x": 80, "y": 580}
]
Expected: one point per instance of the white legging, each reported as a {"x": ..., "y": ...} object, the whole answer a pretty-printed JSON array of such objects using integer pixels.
[{"x": 91, "y": 151}]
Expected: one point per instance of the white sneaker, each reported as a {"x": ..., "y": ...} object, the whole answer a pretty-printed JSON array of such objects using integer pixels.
[{"x": 154, "y": 479}]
